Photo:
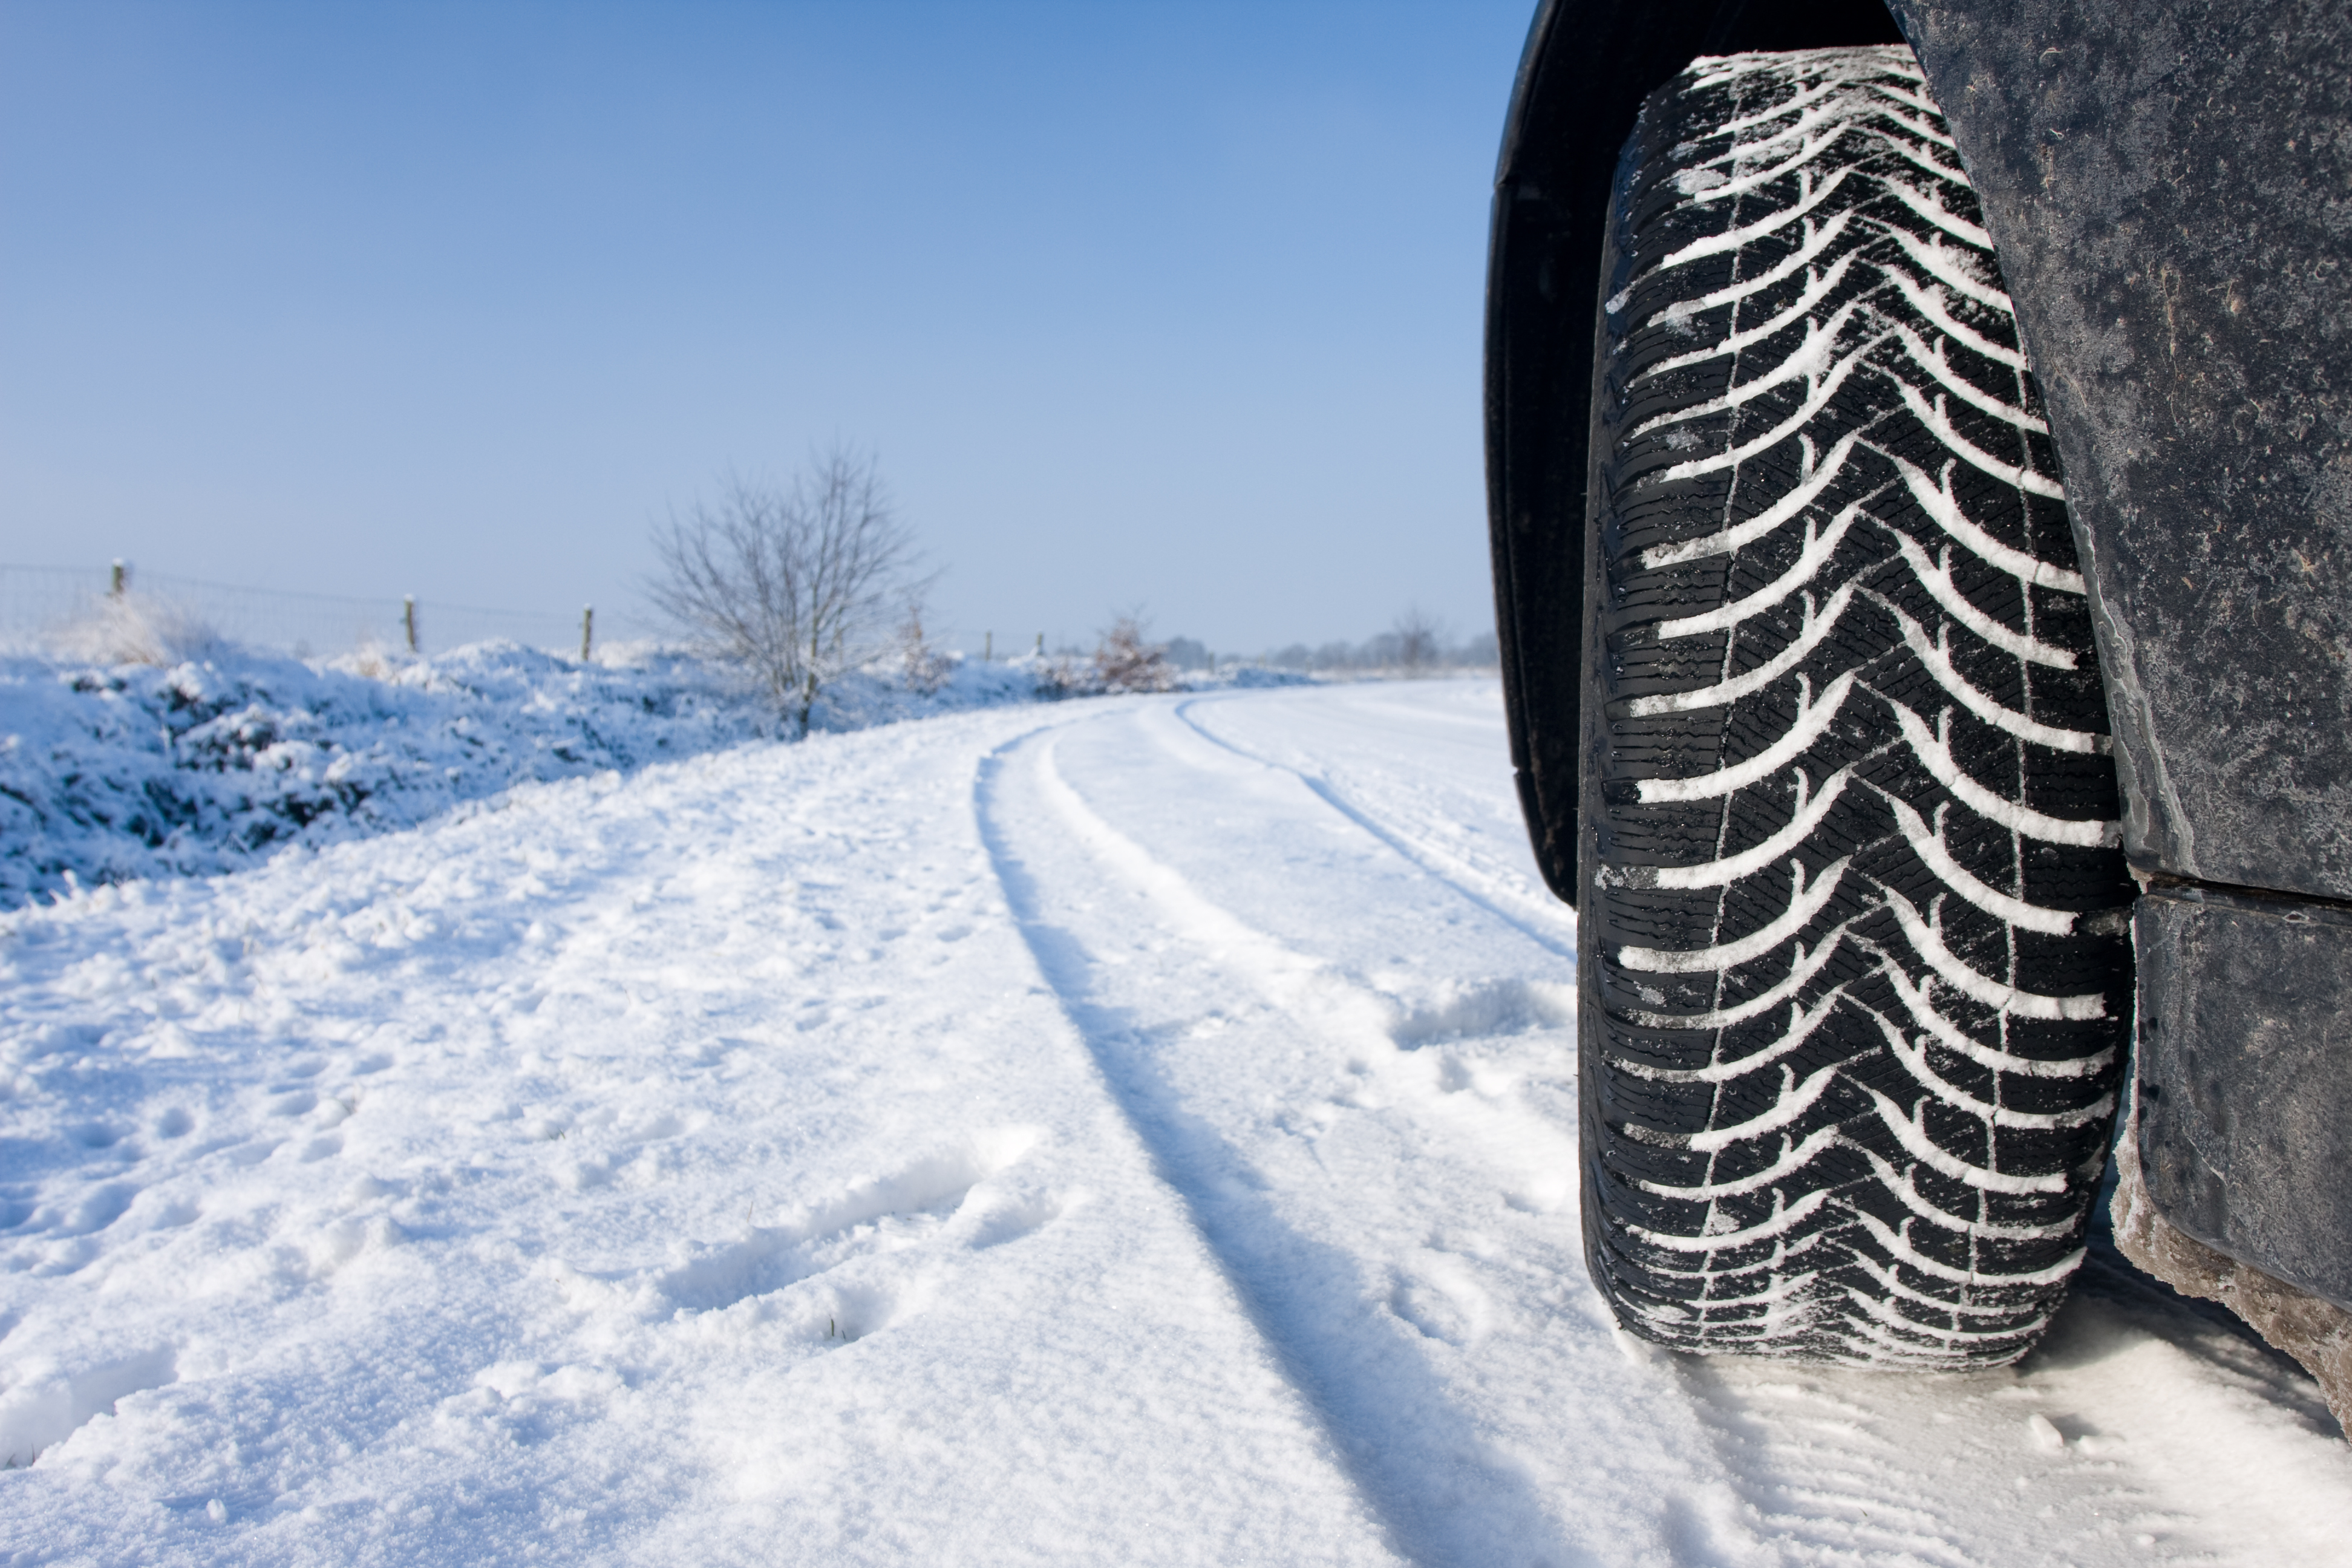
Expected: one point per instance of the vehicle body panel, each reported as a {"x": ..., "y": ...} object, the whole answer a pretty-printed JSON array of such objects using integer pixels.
[{"x": 2169, "y": 189}]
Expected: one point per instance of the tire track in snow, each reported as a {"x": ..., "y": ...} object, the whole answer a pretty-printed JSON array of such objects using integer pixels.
[
  {"x": 1315, "y": 998},
  {"x": 1194, "y": 1163},
  {"x": 1489, "y": 893},
  {"x": 1165, "y": 986}
]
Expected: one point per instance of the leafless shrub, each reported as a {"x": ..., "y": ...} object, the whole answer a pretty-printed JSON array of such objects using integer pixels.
[
  {"x": 795, "y": 584},
  {"x": 928, "y": 667},
  {"x": 1125, "y": 660}
]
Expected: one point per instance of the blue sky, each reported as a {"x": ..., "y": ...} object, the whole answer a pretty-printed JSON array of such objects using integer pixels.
[{"x": 1173, "y": 306}]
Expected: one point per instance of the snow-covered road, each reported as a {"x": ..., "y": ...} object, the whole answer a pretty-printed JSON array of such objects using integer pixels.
[{"x": 1126, "y": 1131}]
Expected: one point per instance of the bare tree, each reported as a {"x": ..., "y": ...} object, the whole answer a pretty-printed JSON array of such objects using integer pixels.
[
  {"x": 795, "y": 584},
  {"x": 1418, "y": 640}
]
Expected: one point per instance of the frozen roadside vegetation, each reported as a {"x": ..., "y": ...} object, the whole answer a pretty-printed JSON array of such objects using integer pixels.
[
  {"x": 198, "y": 766},
  {"x": 208, "y": 759},
  {"x": 1136, "y": 1131}
]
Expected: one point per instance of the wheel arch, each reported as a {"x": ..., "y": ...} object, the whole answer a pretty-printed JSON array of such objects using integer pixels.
[{"x": 1586, "y": 70}]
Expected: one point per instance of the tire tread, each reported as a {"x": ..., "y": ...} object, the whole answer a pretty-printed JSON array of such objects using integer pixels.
[{"x": 1806, "y": 1136}]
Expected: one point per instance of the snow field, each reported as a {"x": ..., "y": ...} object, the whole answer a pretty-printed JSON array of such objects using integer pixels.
[
  {"x": 1124, "y": 1131},
  {"x": 512, "y": 1190}
]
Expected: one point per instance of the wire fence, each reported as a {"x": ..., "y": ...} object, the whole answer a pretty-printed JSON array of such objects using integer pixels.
[
  {"x": 42, "y": 609},
  {"x": 41, "y": 606}
]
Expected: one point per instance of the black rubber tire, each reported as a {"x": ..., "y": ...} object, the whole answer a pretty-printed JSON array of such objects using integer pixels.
[{"x": 1856, "y": 982}]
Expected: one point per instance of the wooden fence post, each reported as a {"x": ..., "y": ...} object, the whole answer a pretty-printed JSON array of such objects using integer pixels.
[
  {"x": 587, "y": 630},
  {"x": 408, "y": 619},
  {"x": 987, "y": 647},
  {"x": 121, "y": 580},
  {"x": 1041, "y": 645}
]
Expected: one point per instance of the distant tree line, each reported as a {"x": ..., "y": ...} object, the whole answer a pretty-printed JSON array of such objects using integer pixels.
[{"x": 1414, "y": 644}]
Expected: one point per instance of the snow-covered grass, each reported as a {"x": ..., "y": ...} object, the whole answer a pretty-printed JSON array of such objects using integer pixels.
[{"x": 1119, "y": 1131}]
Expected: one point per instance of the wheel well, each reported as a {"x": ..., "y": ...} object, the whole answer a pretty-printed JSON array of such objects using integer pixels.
[
  {"x": 1588, "y": 67},
  {"x": 1738, "y": 25}
]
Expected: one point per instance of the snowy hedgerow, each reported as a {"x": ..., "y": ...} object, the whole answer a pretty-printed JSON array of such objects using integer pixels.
[
  {"x": 119, "y": 771},
  {"x": 109, "y": 772}
]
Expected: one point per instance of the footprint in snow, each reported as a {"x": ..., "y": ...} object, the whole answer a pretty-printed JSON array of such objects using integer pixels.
[
  {"x": 1017, "y": 1218},
  {"x": 1471, "y": 1009},
  {"x": 1436, "y": 1295},
  {"x": 944, "y": 1196}
]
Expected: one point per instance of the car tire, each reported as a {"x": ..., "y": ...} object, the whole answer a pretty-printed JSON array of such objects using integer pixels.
[{"x": 1857, "y": 983}]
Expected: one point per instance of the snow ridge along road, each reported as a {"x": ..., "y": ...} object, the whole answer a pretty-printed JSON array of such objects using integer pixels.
[{"x": 1131, "y": 1131}]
